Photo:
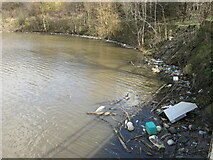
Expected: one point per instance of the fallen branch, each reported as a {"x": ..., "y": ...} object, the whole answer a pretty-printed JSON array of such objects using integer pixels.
[
  {"x": 164, "y": 98},
  {"x": 151, "y": 96},
  {"x": 148, "y": 145},
  {"x": 158, "y": 90},
  {"x": 118, "y": 101},
  {"x": 121, "y": 141},
  {"x": 132, "y": 63},
  {"x": 127, "y": 114},
  {"x": 119, "y": 122},
  {"x": 147, "y": 152},
  {"x": 120, "y": 138},
  {"x": 136, "y": 137},
  {"x": 103, "y": 113}
]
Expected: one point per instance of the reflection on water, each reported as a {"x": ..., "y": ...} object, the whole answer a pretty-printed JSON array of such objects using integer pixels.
[{"x": 50, "y": 82}]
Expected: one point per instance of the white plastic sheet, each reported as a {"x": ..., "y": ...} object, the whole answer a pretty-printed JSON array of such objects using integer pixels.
[{"x": 178, "y": 111}]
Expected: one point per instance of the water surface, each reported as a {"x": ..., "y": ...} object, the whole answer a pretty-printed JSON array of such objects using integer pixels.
[{"x": 51, "y": 81}]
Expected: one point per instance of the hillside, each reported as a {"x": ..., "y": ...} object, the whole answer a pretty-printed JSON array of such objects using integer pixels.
[{"x": 191, "y": 50}]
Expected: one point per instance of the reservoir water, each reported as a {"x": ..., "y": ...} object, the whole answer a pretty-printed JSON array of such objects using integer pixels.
[{"x": 49, "y": 83}]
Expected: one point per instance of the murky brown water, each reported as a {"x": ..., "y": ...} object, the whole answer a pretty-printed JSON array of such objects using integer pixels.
[{"x": 50, "y": 82}]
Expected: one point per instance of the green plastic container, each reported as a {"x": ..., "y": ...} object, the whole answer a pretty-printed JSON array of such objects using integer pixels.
[{"x": 151, "y": 128}]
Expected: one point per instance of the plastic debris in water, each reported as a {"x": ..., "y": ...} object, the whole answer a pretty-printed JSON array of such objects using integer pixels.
[
  {"x": 155, "y": 141},
  {"x": 151, "y": 128},
  {"x": 130, "y": 126},
  {"x": 170, "y": 142},
  {"x": 200, "y": 91},
  {"x": 159, "y": 128},
  {"x": 165, "y": 125},
  {"x": 202, "y": 132},
  {"x": 125, "y": 123},
  {"x": 191, "y": 127},
  {"x": 99, "y": 109},
  {"x": 156, "y": 70},
  {"x": 164, "y": 107},
  {"x": 169, "y": 85},
  {"x": 188, "y": 92},
  {"x": 175, "y": 78},
  {"x": 184, "y": 127}
]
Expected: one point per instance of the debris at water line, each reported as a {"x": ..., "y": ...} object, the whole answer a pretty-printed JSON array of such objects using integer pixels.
[
  {"x": 171, "y": 138},
  {"x": 159, "y": 128},
  {"x": 100, "y": 109},
  {"x": 156, "y": 142},
  {"x": 165, "y": 125},
  {"x": 151, "y": 128},
  {"x": 202, "y": 132},
  {"x": 155, "y": 69},
  {"x": 130, "y": 126},
  {"x": 169, "y": 85},
  {"x": 170, "y": 135},
  {"x": 170, "y": 142},
  {"x": 175, "y": 78},
  {"x": 158, "y": 66},
  {"x": 103, "y": 113}
]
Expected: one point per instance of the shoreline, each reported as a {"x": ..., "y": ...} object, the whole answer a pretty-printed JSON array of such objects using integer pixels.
[
  {"x": 185, "y": 136},
  {"x": 171, "y": 93},
  {"x": 124, "y": 45}
]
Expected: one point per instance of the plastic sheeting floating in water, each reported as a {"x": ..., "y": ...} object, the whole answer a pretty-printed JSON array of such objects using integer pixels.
[{"x": 178, "y": 111}]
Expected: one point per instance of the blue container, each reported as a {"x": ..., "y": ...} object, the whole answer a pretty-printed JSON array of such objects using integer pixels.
[{"x": 151, "y": 128}]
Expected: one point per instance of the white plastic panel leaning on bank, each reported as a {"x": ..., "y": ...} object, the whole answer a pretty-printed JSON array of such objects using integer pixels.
[{"x": 178, "y": 111}]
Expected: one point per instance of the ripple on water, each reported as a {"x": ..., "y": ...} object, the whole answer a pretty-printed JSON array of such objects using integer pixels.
[{"x": 50, "y": 82}]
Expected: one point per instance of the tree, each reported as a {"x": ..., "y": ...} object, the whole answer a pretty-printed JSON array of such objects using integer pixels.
[{"x": 108, "y": 22}]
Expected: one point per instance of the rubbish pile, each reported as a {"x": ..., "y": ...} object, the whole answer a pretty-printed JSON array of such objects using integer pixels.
[
  {"x": 159, "y": 66},
  {"x": 173, "y": 133},
  {"x": 169, "y": 126}
]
